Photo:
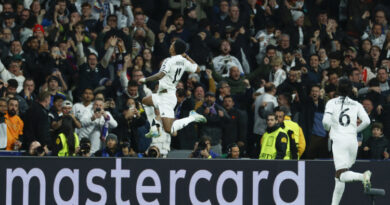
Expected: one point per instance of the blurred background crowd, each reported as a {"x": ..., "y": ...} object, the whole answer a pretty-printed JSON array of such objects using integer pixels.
[{"x": 69, "y": 71}]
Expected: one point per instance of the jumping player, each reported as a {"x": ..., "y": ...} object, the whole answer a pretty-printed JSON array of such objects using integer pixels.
[
  {"x": 165, "y": 99},
  {"x": 340, "y": 119}
]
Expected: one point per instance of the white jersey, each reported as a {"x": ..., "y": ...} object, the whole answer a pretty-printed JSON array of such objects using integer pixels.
[
  {"x": 174, "y": 67},
  {"x": 79, "y": 109},
  {"x": 341, "y": 116}
]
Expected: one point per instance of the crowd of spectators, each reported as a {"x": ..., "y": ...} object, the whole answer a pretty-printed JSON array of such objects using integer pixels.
[{"x": 69, "y": 73}]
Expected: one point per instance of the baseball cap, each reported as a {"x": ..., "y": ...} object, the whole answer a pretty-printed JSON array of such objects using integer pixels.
[
  {"x": 67, "y": 103},
  {"x": 38, "y": 27}
]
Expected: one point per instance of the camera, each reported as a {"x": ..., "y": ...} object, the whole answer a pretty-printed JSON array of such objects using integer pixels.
[
  {"x": 201, "y": 146},
  {"x": 153, "y": 152},
  {"x": 85, "y": 148},
  {"x": 38, "y": 151},
  {"x": 125, "y": 144}
]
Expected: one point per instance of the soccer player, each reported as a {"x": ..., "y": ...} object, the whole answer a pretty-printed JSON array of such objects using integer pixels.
[
  {"x": 340, "y": 119},
  {"x": 165, "y": 99}
]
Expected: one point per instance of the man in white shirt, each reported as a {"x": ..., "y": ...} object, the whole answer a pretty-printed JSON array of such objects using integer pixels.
[
  {"x": 80, "y": 108},
  {"x": 165, "y": 99},
  {"x": 95, "y": 123},
  {"x": 265, "y": 105},
  {"x": 13, "y": 72},
  {"x": 340, "y": 119},
  {"x": 278, "y": 75},
  {"x": 376, "y": 36},
  {"x": 264, "y": 38},
  {"x": 225, "y": 61}
]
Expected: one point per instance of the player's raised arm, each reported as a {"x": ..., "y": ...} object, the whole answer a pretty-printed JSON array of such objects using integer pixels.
[
  {"x": 163, "y": 71},
  {"x": 362, "y": 114},
  {"x": 191, "y": 61},
  {"x": 152, "y": 78}
]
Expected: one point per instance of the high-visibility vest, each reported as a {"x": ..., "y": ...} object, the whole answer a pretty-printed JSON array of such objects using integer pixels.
[
  {"x": 294, "y": 127},
  {"x": 268, "y": 149},
  {"x": 64, "y": 152}
]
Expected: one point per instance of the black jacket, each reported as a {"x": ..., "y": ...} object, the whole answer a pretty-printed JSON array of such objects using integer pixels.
[
  {"x": 377, "y": 146},
  {"x": 213, "y": 127},
  {"x": 36, "y": 126},
  {"x": 89, "y": 78},
  {"x": 307, "y": 109},
  {"x": 187, "y": 136},
  {"x": 234, "y": 129},
  {"x": 128, "y": 130},
  {"x": 293, "y": 31}
]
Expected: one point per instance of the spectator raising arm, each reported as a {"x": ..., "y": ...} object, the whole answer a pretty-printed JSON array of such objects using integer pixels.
[
  {"x": 163, "y": 24},
  {"x": 80, "y": 49},
  {"x": 112, "y": 45}
]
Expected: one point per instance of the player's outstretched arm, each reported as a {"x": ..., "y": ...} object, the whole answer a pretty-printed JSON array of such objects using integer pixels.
[
  {"x": 192, "y": 61},
  {"x": 152, "y": 78}
]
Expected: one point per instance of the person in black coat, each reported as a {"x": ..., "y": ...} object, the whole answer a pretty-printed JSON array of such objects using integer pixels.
[
  {"x": 297, "y": 39},
  {"x": 291, "y": 84},
  {"x": 235, "y": 128},
  {"x": 36, "y": 126},
  {"x": 91, "y": 73},
  {"x": 57, "y": 61},
  {"x": 312, "y": 111},
  {"x": 384, "y": 117},
  {"x": 187, "y": 136},
  {"x": 216, "y": 117},
  {"x": 32, "y": 66},
  {"x": 128, "y": 123},
  {"x": 377, "y": 146}
]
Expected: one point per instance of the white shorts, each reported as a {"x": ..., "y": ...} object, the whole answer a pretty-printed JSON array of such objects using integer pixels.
[
  {"x": 166, "y": 103},
  {"x": 344, "y": 153}
]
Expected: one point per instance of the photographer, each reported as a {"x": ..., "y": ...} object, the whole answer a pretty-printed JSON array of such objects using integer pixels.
[
  {"x": 95, "y": 124},
  {"x": 85, "y": 147},
  {"x": 151, "y": 152},
  {"x": 132, "y": 117},
  {"x": 36, "y": 149},
  {"x": 202, "y": 149},
  {"x": 127, "y": 151}
]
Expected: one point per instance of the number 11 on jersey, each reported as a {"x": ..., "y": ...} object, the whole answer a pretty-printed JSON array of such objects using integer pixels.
[{"x": 176, "y": 74}]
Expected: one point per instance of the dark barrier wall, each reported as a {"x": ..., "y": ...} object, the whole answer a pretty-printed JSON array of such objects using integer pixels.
[{"x": 169, "y": 181}]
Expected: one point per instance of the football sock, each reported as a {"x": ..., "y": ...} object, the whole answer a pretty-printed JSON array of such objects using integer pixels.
[
  {"x": 338, "y": 192},
  {"x": 180, "y": 124},
  {"x": 350, "y": 176},
  {"x": 149, "y": 112}
]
